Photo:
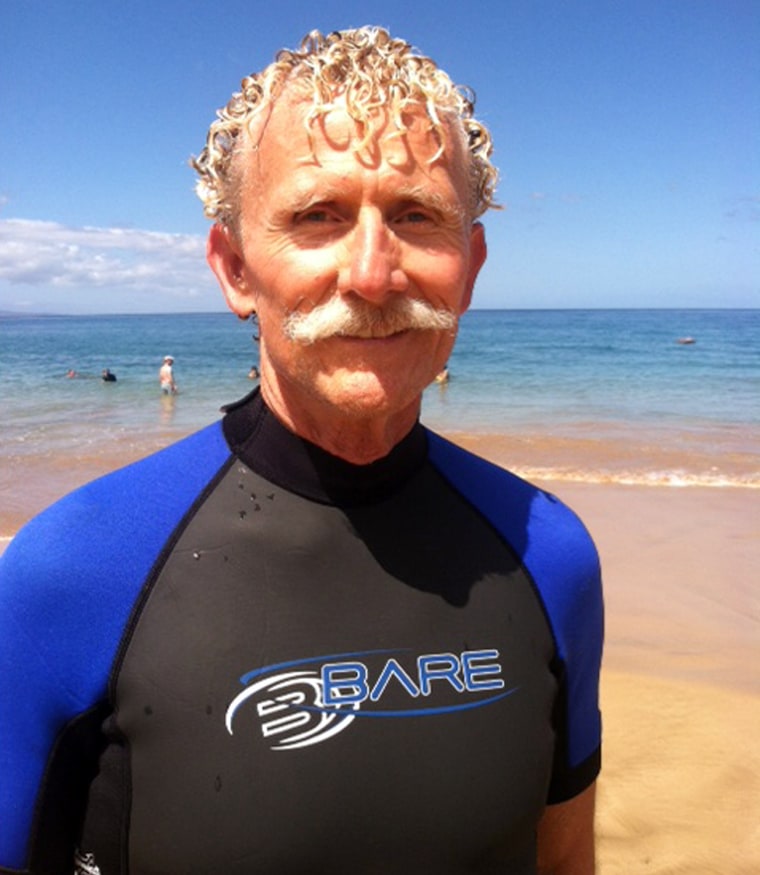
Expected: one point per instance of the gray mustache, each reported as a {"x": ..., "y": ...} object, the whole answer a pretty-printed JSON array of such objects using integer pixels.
[{"x": 337, "y": 317}]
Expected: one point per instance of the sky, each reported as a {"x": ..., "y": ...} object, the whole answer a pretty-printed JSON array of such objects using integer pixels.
[{"x": 627, "y": 134}]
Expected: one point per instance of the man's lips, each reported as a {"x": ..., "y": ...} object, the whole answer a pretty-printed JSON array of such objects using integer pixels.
[{"x": 373, "y": 335}]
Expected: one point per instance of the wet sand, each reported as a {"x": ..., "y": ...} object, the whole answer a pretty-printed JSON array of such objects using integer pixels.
[{"x": 680, "y": 786}]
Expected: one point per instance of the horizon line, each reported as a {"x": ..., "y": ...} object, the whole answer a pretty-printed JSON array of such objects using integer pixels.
[{"x": 58, "y": 315}]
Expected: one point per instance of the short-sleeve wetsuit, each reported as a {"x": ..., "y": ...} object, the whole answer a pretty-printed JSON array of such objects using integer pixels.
[{"x": 244, "y": 655}]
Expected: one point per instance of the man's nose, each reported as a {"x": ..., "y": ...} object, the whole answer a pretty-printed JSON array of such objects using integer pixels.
[{"x": 372, "y": 267}]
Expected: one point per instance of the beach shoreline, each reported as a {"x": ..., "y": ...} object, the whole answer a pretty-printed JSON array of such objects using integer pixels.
[
  {"x": 680, "y": 785},
  {"x": 34, "y": 473}
]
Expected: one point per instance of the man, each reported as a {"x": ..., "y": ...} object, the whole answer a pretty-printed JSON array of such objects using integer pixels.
[
  {"x": 166, "y": 376},
  {"x": 315, "y": 637}
]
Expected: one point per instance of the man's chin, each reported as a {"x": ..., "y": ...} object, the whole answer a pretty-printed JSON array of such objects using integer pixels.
[{"x": 365, "y": 391}]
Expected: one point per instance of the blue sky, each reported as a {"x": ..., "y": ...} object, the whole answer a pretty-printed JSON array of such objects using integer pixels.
[{"x": 627, "y": 135}]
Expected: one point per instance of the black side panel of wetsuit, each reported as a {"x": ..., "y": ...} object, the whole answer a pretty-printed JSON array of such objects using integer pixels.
[{"x": 61, "y": 805}]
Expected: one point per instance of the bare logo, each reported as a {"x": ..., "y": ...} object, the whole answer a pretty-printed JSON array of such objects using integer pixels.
[{"x": 299, "y": 706}]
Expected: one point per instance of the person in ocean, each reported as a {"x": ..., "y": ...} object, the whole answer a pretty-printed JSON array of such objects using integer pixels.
[
  {"x": 166, "y": 376},
  {"x": 315, "y": 636},
  {"x": 107, "y": 376}
]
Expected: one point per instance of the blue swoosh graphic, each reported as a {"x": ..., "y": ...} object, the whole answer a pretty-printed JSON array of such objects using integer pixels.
[{"x": 420, "y": 712}]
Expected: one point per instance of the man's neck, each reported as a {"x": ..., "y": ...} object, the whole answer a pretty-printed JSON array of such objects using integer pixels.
[{"x": 355, "y": 436}]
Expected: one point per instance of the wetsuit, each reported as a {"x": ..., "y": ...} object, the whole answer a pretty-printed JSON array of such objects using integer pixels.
[{"x": 244, "y": 655}]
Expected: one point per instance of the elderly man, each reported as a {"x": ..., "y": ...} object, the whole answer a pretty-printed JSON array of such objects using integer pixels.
[{"x": 314, "y": 637}]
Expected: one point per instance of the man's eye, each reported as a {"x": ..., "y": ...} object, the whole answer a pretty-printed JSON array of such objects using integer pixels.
[
  {"x": 314, "y": 216},
  {"x": 415, "y": 217}
]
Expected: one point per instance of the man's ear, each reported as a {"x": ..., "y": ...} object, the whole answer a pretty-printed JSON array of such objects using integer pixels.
[
  {"x": 225, "y": 259},
  {"x": 478, "y": 254}
]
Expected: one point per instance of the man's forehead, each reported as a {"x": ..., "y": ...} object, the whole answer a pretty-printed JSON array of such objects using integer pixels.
[{"x": 294, "y": 123}]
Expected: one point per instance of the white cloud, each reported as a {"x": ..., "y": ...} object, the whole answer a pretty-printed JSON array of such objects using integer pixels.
[{"x": 38, "y": 253}]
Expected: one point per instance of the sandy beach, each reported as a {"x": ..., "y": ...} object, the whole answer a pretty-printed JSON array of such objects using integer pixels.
[{"x": 680, "y": 786}]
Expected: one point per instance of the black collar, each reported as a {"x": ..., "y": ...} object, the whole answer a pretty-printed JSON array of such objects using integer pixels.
[{"x": 263, "y": 443}]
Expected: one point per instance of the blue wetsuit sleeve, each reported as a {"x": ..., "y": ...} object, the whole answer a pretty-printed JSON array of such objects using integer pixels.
[
  {"x": 561, "y": 559},
  {"x": 68, "y": 584}
]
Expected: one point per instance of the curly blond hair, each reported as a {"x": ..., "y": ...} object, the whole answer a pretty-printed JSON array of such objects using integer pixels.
[{"x": 370, "y": 70}]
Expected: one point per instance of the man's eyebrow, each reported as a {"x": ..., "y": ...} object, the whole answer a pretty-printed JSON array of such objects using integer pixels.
[
  {"x": 325, "y": 191},
  {"x": 431, "y": 199},
  {"x": 310, "y": 195}
]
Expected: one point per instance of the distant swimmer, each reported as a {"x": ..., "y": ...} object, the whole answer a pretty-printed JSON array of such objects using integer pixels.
[
  {"x": 686, "y": 341},
  {"x": 253, "y": 374},
  {"x": 72, "y": 374},
  {"x": 443, "y": 376},
  {"x": 107, "y": 377},
  {"x": 166, "y": 376}
]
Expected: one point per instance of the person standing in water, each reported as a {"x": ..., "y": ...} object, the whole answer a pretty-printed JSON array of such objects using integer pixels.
[{"x": 166, "y": 376}]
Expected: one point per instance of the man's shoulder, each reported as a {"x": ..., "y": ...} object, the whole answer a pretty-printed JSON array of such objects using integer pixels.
[
  {"x": 492, "y": 486},
  {"x": 70, "y": 578},
  {"x": 540, "y": 527},
  {"x": 123, "y": 515},
  {"x": 455, "y": 460}
]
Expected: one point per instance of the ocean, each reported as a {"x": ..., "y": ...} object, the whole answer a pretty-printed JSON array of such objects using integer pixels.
[{"x": 582, "y": 395}]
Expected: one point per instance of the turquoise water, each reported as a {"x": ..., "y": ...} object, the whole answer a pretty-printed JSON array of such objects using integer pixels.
[
  {"x": 575, "y": 366},
  {"x": 580, "y": 394}
]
